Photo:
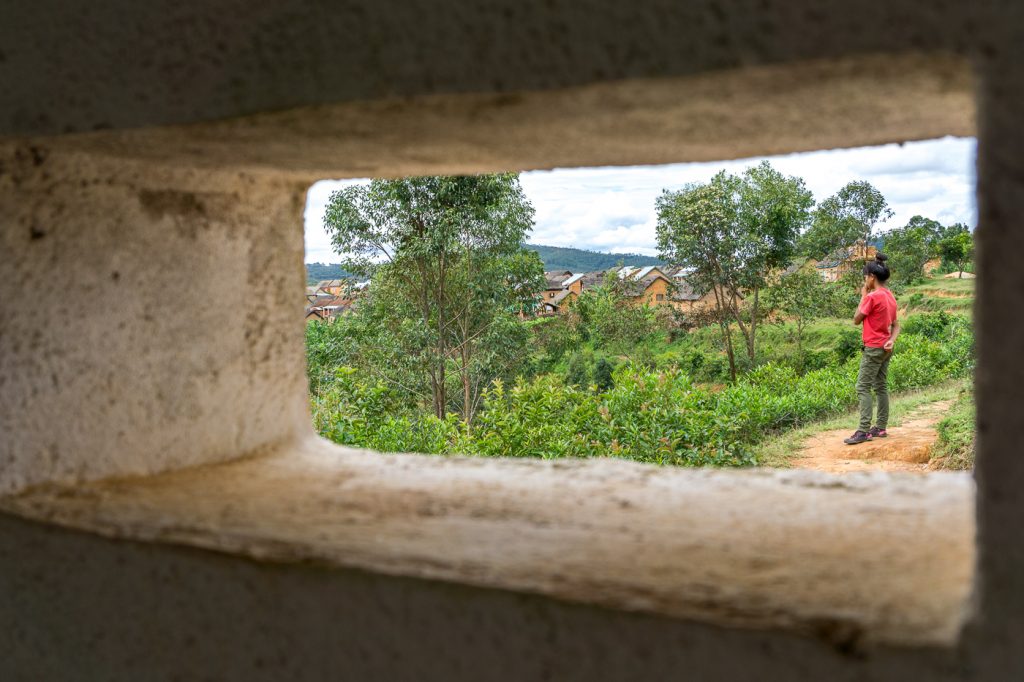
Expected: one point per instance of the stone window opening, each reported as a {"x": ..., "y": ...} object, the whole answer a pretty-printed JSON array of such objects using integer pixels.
[{"x": 204, "y": 438}]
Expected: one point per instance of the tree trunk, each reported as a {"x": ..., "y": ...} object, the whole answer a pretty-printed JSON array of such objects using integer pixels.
[
  {"x": 723, "y": 324},
  {"x": 467, "y": 393},
  {"x": 752, "y": 341},
  {"x": 800, "y": 342},
  {"x": 727, "y": 334}
]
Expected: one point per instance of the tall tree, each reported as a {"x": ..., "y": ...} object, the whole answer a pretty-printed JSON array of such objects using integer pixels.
[
  {"x": 733, "y": 233},
  {"x": 908, "y": 248},
  {"x": 698, "y": 229},
  {"x": 849, "y": 215},
  {"x": 446, "y": 259},
  {"x": 773, "y": 209},
  {"x": 957, "y": 249}
]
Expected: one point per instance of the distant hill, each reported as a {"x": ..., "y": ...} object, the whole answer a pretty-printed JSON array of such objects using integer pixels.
[
  {"x": 316, "y": 272},
  {"x": 554, "y": 258},
  {"x": 581, "y": 260}
]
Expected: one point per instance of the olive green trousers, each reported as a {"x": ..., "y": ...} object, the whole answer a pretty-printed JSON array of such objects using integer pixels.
[{"x": 874, "y": 372}]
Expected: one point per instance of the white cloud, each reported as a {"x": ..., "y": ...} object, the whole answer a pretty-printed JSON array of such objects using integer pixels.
[{"x": 612, "y": 209}]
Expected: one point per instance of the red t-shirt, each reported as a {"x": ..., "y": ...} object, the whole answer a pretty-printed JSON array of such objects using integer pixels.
[{"x": 879, "y": 309}]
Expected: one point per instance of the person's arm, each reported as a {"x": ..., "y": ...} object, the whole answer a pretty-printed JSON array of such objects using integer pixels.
[
  {"x": 865, "y": 306},
  {"x": 894, "y": 331}
]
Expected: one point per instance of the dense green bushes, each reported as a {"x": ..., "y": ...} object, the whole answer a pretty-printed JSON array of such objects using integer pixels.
[{"x": 660, "y": 416}]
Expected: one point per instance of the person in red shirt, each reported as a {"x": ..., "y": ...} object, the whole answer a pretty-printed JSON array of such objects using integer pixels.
[{"x": 877, "y": 314}]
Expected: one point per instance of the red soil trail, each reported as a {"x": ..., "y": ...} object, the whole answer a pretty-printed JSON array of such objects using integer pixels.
[{"x": 908, "y": 447}]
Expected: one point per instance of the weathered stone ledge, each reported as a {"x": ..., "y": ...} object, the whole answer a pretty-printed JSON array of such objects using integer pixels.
[{"x": 872, "y": 558}]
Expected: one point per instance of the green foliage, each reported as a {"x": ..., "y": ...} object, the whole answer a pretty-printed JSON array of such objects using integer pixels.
[
  {"x": 954, "y": 448},
  {"x": 731, "y": 233},
  {"x": 842, "y": 219},
  {"x": 354, "y": 411},
  {"x": 578, "y": 374},
  {"x": 957, "y": 250},
  {"x": 604, "y": 316},
  {"x": 448, "y": 275},
  {"x": 659, "y": 416},
  {"x": 802, "y": 296},
  {"x": 908, "y": 248},
  {"x": 581, "y": 260},
  {"x": 604, "y": 375}
]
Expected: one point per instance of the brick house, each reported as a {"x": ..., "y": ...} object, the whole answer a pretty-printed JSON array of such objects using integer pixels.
[{"x": 850, "y": 258}]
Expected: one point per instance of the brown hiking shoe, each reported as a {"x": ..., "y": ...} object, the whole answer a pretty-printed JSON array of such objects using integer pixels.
[
  {"x": 877, "y": 432},
  {"x": 858, "y": 437}
]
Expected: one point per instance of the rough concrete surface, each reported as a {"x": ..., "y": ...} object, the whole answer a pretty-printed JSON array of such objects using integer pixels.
[
  {"x": 75, "y": 606},
  {"x": 76, "y": 67},
  {"x": 147, "y": 316},
  {"x": 771, "y": 109},
  {"x": 874, "y": 557},
  {"x": 257, "y": 100}
]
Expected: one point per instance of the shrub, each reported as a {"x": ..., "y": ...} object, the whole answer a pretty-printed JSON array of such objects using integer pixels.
[
  {"x": 662, "y": 416},
  {"x": 930, "y": 325},
  {"x": 603, "y": 375},
  {"x": 578, "y": 373},
  {"x": 954, "y": 448}
]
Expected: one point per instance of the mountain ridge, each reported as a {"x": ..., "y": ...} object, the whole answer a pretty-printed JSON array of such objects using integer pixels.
[{"x": 553, "y": 257}]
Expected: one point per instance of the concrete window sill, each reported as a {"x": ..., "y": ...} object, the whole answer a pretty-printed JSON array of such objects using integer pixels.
[{"x": 872, "y": 557}]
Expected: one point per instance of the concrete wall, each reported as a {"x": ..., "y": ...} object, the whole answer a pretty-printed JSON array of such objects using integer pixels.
[{"x": 212, "y": 198}]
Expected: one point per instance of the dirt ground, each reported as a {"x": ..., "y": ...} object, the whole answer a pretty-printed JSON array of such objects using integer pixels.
[{"x": 908, "y": 447}]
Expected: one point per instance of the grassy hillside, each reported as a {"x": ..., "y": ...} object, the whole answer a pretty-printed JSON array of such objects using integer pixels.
[
  {"x": 938, "y": 293},
  {"x": 581, "y": 260}
]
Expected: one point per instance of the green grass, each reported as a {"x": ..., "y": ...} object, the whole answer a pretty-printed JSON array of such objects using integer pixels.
[
  {"x": 776, "y": 451},
  {"x": 955, "y": 446},
  {"x": 934, "y": 294}
]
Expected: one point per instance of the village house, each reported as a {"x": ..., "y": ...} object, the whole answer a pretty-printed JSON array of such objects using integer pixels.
[
  {"x": 649, "y": 285},
  {"x": 553, "y": 282},
  {"x": 645, "y": 286},
  {"x": 327, "y": 308},
  {"x": 850, "y": 258},
  {"x": 333, "y": 287}
]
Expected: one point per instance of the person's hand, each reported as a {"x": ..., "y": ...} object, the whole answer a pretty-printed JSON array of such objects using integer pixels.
[
  {"x": 864, "y": 291},
  {"x": 889, "y": 345}
]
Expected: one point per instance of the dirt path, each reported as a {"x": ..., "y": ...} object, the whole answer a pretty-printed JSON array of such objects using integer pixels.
[{"x": 908, "y": 447}]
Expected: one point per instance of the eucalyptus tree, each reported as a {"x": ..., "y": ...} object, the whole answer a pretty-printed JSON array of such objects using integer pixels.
[
  {"x": 733, "y": 233},
  {"x": 957, "y": 249},
  {"x": 448, "y": 271},
  {"x": 851, "y": 214}
]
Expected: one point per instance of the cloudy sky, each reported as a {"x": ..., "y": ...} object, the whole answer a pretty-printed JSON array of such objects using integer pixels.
[{"x": 612, "y": 209}]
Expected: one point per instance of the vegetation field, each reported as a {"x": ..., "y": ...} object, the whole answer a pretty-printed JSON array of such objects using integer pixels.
[
  {"x": 661, "y": 401},
  {"x": 449, "y": 350}
]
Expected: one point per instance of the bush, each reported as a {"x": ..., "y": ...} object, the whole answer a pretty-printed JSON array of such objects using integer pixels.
[
  {"x": 578, "y": 373},
  {"x": 603, "y": 375},
  {"x": 848, "y": 344},
  {"x": 661, "y": 416},
  {"x": 930, "y": 325},
  {"x": 954, "y": 448}
]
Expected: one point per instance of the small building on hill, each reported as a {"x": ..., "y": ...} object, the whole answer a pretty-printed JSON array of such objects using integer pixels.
[
  {"x": 553, "y": 283},
  {"x": 327, "y": 308},
  {"x": 844, "y": 260},
  {"x": 558, "y": 303},
  {"x": 334, "y": 287}
]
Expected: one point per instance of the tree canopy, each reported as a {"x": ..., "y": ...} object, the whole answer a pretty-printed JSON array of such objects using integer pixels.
[
  {"x": 732, "y": 233},
  {"x": 849, "y": 215},
  {"x": 448, "y": 268}
]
